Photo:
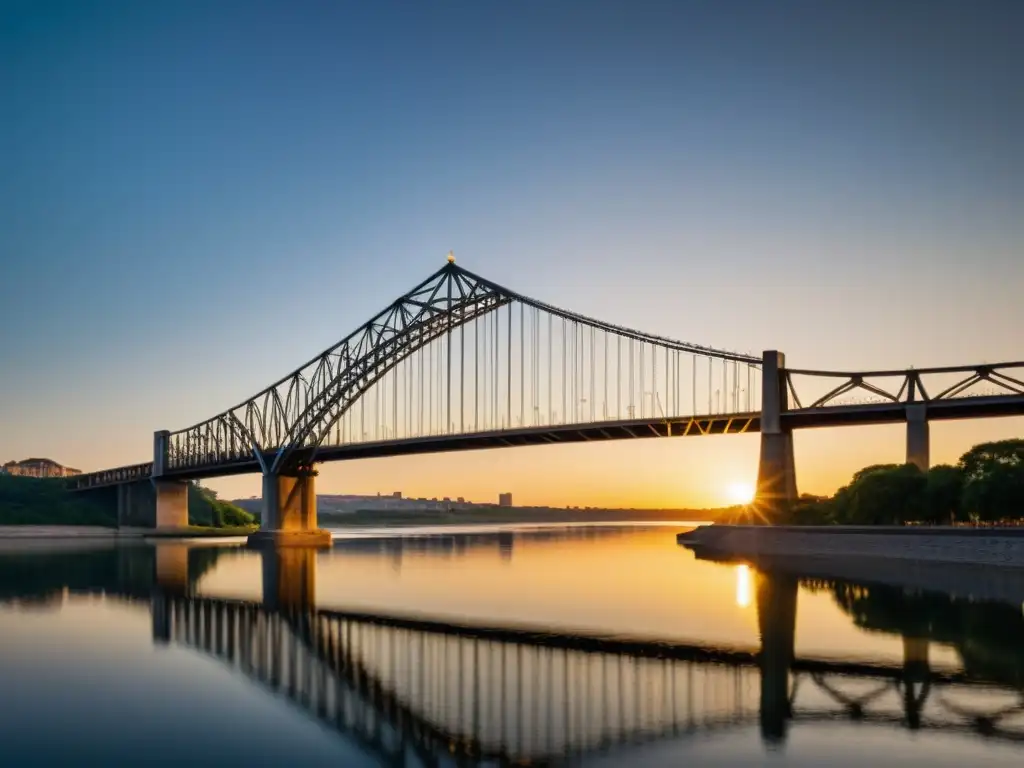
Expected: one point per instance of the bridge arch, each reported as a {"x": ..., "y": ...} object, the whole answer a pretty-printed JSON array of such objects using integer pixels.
[{"x": 283, "y": 427}]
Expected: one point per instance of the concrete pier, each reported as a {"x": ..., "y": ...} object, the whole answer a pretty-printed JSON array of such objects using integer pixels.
[
  {"x": 171, "y": 504},
  {"x": 917, "y": 437},
  {"x": 776, "y": 474},
  {"x": 289, "y": 512}
]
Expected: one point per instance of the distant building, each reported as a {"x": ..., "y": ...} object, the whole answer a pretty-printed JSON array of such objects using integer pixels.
[
  {"x": 38, "y": 468},
  {"x": 504, "y": 499},
  {"x": 396, "y": 495}
]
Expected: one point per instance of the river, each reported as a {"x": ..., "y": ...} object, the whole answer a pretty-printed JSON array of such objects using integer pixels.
[{"x": 506, "y": 645}]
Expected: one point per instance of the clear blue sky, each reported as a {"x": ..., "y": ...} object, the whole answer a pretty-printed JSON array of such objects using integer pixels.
[{"x": 197, "y": 196}]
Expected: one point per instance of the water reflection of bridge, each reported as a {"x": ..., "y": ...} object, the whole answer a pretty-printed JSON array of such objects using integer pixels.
[
  {"x": 414, "y": 690},
  {"x": 418, "y": 692}
]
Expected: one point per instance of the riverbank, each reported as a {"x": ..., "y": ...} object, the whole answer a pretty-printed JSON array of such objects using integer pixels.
[
  {"x": 988, "y": 547},
  {"x": 501, "y": 516},
  {"x": 27, "y": 533}
]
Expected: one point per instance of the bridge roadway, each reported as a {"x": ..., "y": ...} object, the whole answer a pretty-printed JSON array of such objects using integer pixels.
[{"x": 861, "y": 414}]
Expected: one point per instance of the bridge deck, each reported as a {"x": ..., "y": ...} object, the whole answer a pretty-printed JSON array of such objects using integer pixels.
[{"x": 734, "y": 423}]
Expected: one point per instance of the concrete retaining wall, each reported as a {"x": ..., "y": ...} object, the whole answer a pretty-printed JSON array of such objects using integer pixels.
[{"x": 982, "y": 564}]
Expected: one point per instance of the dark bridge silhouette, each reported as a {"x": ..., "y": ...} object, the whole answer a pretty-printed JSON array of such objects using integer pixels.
[{"x": 461, "y": 363}]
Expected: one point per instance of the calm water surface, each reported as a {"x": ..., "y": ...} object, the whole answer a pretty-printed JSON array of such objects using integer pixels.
[{"x": 592, "y": 646}]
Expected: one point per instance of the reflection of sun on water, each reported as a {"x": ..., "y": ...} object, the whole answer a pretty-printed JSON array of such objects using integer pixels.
[{"x": 743, "y": 584}]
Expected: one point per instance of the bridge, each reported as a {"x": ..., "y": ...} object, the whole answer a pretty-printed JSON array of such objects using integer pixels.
[{"x": 462, "y": 363}]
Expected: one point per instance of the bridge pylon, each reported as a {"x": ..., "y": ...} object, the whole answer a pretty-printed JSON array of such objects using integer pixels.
[
  {"x": 917, "y": 437},
  {"x": 289, "y": 511},
  {"x": 776, "y": 474}
]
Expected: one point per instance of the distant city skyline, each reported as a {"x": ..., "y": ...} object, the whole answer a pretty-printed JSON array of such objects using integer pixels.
[{"x": 187, "y": 218}]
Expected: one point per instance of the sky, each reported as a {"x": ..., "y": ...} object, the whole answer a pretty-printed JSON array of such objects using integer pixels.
[{"x": 196, "y": 198}]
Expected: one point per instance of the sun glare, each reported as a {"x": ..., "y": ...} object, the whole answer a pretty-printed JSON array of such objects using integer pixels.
[{"x": 741, "y": 493}]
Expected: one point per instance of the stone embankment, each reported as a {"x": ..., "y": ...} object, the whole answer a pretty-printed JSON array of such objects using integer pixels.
[{"x": 986, "y": 564}]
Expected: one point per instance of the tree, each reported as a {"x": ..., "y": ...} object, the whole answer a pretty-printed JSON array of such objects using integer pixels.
[
  {"x": 984, "y": 458},
  {"x": 944, "y": 486},
  {"x": 998, "y": 495},
  {"x": 994, "y": 480},
  {"x": 810, "y": 510},
  {"x": 882, "y": 495}
]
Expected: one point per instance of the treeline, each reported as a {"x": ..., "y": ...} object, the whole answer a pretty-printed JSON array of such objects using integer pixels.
[
  {"x": 204, "y": 508},
  {"x": 985, "y": 487},
  {"x": 46, "y": 501},
  {"x": 988, "y": 636}
]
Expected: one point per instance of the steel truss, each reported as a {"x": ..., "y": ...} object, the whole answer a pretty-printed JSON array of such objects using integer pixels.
[
  {"x": 922, "y": 385},
  {"x": 284, "y": 426}
]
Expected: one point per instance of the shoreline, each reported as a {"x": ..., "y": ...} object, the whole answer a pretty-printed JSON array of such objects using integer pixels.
[
  {"x": 29, "y": 533},
  {"x": 988, "y": 547}
]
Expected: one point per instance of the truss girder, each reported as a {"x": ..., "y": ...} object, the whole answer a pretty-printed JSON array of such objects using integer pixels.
[
  {"x": 904, "y": 387},
  {"x": 287, "y": 422}
]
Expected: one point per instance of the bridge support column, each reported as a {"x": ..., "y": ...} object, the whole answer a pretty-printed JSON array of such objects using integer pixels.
[
  {"x": 171, "y": 504},
  {"x": 161, "y": 448},
  {"x": 289, "y": 512},
  {"x": 776, "y": 618},
  {"x": 918, "y": 437},
  {"x": 776, "y": 473}
]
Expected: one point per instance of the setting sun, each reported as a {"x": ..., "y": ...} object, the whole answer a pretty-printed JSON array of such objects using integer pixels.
[{"x": 740, "y": 493}]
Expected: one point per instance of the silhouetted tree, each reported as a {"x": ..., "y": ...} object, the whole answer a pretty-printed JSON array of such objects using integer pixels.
[
  {"x": 882, "y": 495},
  {"x": 994, "y": 480},
  {"x": 944, "y": 486}
]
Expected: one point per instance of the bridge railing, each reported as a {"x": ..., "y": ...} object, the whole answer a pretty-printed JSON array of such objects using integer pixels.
[
  {"x": 811, "y": 389},
  {"x": 115, "y": 476}
]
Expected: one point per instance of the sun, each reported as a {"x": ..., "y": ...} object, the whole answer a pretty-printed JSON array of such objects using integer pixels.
[{"x": 740, "y": 493}]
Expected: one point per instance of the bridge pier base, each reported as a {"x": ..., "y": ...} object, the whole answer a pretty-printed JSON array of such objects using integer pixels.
[
  {"x": 171, "y": 504},
  {"x": 289, "y": 513},
  {"x": 918, "y": 437},
  {"x": 776, "y": 473}
]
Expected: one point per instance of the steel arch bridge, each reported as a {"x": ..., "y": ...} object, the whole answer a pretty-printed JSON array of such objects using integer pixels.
[
  {"x": 460, "y": 362},
  {"x": 459, "y": 355}
]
